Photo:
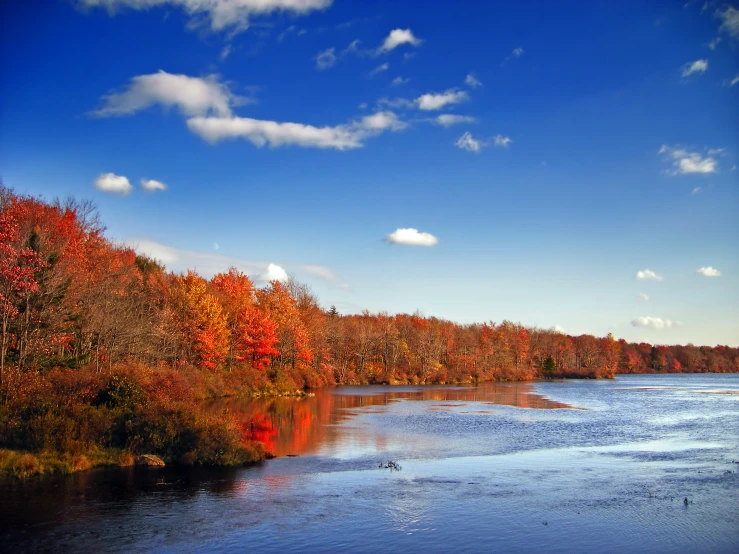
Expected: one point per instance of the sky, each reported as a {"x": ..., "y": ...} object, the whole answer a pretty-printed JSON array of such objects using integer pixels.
[{"x": 567, "y": 165}]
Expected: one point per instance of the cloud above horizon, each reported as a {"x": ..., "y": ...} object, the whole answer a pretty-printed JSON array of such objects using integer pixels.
[
  {"x": 655, "y": 323},
  {"x": 698, "y": 66},
  {"x": 152, "y": 185},
  {"x": 411, "y": 237},
  {"x": 398, "y": 37},
  {"x": 436, "y": 101}
]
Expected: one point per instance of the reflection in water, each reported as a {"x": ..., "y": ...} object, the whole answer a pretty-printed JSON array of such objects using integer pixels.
[{"x": 299, "y": 426}]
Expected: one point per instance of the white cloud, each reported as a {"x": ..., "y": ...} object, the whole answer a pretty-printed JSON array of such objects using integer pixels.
[
  {"x": 466, "y": 142},
  {"x": 326, "y": 59},
  {"x": 696, "y": 190},
  {"x": 226, "y": 52},
  {"x": 379, "y": 69},
  {"x": 472, "y": 81},
  {"x": 115, "y": 184},
  {"x": 733, "y": 81},
  {"x": 272, "y": 133},
  {"x": 191, "y": 95},
  {"x": 411, "y": 237},
  {"x": 432, "y": 101},
  {"x": 698, "y": 66},
  {"x": 730, "y": 21},
  {"x": 395, "y": 103},
  {"x": 276, "y": 273},
  {"x": 685, "y": 162},
  {"x": 709, "y": 272},
  {"x": 222, "y": 14},
  {"x": 447, "y": 119},
  {"x": 501, "y": 141},
  {"x": 518, "y": 52},
  {"x": 647, "y": 274},
  {"x": 559, "y": 329},
  {"x": 152, "y": 185},
  {"x": 643, "y": 296},
  {"x": 216, "y": 246},
  {"x": 398, "y": 37},
  {"x": 714, "y": 43},
  {"x": 654, "y": 322},
  {"x": 399, "y": 81}
]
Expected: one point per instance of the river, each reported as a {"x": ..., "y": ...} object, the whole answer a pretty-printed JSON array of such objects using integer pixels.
[{"x": 561, "y": 466}]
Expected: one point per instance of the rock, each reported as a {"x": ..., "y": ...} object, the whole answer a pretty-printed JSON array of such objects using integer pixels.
[{"x": 149, "y": 460}]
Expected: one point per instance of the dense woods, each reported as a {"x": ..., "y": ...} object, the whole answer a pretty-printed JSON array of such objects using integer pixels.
[{"x": 103, "y": 346}]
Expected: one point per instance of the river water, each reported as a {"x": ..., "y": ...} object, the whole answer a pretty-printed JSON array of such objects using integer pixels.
[{"x": 568, "y": 466}]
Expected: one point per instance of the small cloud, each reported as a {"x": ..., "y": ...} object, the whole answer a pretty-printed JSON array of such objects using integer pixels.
[
  {"x": 275, "y": 273},
  {"x": 447, "y": 120},
  {"x": 216, "y": 246},
  {"x": 714, "y": 43},
  {"x": 709, "y": 272},
  {"x": 323, "y": 272},
  {"x": 559, "y": 330},
  {"x": 655, "y": 322},
  {"x": 114, "y": 184},
  {"x": 698, "y": 66},
  {"x": 434, "y": 101},
  {"x": 644, "y": 296},
  {"x": 501, "y": 141},
  {"x": 647, "y": 274},
  {"x": 398, "y": 37},
  {"x": 225, "y": 52},
  {"x": 152, "y": 185},
  {"x": 696, "y": 190},
  {"x": 730, "y": 21},
  {"x": 466, "y": 142},
  {"x": 517, "y": 52},
  {"x": 686, "y": 162},
  {"x": 379, "y": 69},
  {"x": 398, "y": 81},
  {"x": 472, "y": 81},
  {"x": 732, "y": 82},
  {"x": 411, "y": 237},
  {"x": 326, "y": 59}
]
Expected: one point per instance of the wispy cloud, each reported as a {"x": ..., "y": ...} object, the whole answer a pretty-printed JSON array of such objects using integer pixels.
[
  {"x": 447, "y": 120},
  {"x": 698, "y": 66},
  {"x": 685, "y": 162},
  {"x": 261, "y": 132},
  {"x": 411, "y": 237},
  {"x": 647, "y": 274},
  {"x": 398, "y": 81},
  {"x": 643, "y": 296},
  {"x": 152, "y": 185},
  {"x": 472, "y": 81},
  {"x": 466, "y": 142},
  {"x": 436, "y": 101},
  {"x": 729, "y": 21},
  {"x": 515, "y": 53},
  {"x": 114, "y": 184},
  {"x": 379, "y": 69},
  {"x": 501, "y": 141},
  {"x": 191, "y": 95},
  {"x": 231, "y": 15},
  {"x": 696, "y": 190},
  {"x": 732, "y": 82},
  {"x": 655, "y": 322},
  {"x": 326, "y": 59},
  {"x": 709, "y": 272},
  {"x": 714, "y": 43}
]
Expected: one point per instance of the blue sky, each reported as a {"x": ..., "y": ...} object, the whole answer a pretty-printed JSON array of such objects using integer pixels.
[{"x": 475, "y": 161}]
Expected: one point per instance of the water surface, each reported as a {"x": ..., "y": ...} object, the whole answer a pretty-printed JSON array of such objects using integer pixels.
[{"x": 553, "y": 466}]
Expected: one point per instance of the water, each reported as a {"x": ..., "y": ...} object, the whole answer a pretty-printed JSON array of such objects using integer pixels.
[{"x": 579, "y": 466}]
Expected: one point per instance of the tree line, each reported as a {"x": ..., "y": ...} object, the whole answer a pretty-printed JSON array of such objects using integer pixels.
[{"x": 71, "y": 298}]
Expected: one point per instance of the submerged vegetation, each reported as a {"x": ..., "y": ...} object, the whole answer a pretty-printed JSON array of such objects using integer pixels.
[{"x": 106, "y": 355}]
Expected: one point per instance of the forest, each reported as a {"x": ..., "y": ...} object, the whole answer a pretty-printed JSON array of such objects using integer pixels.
[{"x": 106, "y": 354}]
